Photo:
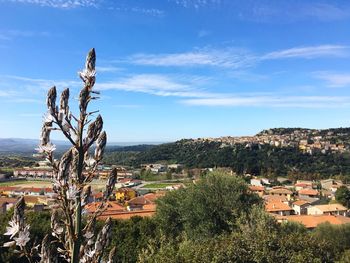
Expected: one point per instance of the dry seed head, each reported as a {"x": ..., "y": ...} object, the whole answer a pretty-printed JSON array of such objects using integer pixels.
[
  {"x": 84, "y": 99},
  {"x": 64, "y": 102},
  {"x": 51, "y": 100},
  {"x": 100, "y": 146},
  {"x": 90, "y": 60},
  {"x": 110, "y": 183}
]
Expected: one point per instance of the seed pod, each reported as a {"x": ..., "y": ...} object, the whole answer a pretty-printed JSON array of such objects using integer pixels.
[
  {"x": 103, "y": 238},
  {"x": 64, "y": 166},
  {"x": 64, "y": 102},
  {"x": 86, "y": 194},
  {"x": 84, "y": 99},
  {"x": 112, "y": 257},
  {"x": 90, "y": 60},
  {"x": 45, "y": 133},
  {"x": 100, "y": 146},
  {"x": 51, "y": 100},
  {"x": 18, "y": 214},
  {"x": 110, "y": 184}
]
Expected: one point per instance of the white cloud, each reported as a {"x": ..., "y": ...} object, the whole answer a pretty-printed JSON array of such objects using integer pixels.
[
  {"x": 272, "y": 101},
  {"x": 64, "y": 4},
  {"x": 334, "y": 80},
  {"x": 230, "y": 58},
  {"x": 108, "y": 69},
  {"x": 234, "y": 58},
  {"x": 11, "y": 34},
  {"x": 159, "y": 85},
  {"x": 309, "y": 52}
]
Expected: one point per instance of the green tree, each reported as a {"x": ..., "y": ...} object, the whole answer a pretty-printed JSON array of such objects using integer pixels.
[
  {"x": 342, "y": 195},
  {"x": 208, "y": 208}
]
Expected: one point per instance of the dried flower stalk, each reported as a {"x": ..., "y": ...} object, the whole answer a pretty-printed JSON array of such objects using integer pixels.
[{"x": 71, "y": 186}]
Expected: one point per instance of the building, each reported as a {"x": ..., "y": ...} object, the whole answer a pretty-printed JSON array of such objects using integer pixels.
[
  {"x": 6, "y": 203},
  {"x": 311, "y": 193},
  {"x": 300, "y": 207},
  {"x": 330, "y": 209},
  {"x": 281, "y": 191},
  {"x": 312, "y": 221},
  {"x": 278, "y": 208},
  {"x": 125, "y": 194},
  {"x": 259, "y": 190}
]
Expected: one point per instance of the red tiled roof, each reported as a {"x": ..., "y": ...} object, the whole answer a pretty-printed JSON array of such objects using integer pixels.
[
  {"x": 275, "y": 206},
  {"x": 256, "y": 188},
  {"x": 308, "y": 192},
  {"x": 300, "y": 202},
  {"x": 311, "y": 221}
]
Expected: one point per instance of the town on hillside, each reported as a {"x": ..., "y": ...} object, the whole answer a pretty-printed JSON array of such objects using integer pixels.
[{"x": 307, "y": 202}]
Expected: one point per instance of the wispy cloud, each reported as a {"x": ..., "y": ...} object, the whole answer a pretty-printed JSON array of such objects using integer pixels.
[
  {"x": 272, "y": 101},
  {"x": 230, "y": 58},
  {"x": 334, "y": 80},
  {"x": 235, "y": 58},
  {"x": 138, "y": 10},
  {"x": 159, "y": 85},
  {"x": 108, "y": 69},
  {"x": 11, "y": 34},
  {"x": 64, "y": 4},
  {"x": 309, "y": 52}
]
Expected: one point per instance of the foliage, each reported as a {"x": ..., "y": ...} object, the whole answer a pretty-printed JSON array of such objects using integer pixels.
[
  {"x": 205, "y": 209},
  {"x": 342, "y": 195}
]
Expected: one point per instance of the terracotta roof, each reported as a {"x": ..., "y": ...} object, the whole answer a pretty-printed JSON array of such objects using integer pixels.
[
  {"x": 98, "y": 195},
  {"x": 275, "y": 206},
  {"x": 302, "y": 185},
  {"x": 35, "y": 199},
  {"x": 256, "y": 188},
  {"x": 154, "y": 196},
  {"x": 308, "y": 192},
  {"x": 112, "y": 207},
  {"x": 128, "y": 214},
  {"x": 331, "y": 207},
  {"x": 300, "y": 202},
  {"x": 7, "y": 200},
  {"x": 140, "y": 200},
  {"x": 280, "y": 191},
  {"x": 8, "y": 188},
  {"x": 311, "y": 221},
  {"x": 281, "y": 198}
]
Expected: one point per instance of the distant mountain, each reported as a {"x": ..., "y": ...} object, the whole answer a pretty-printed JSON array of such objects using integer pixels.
[{"x": 27, "y": 146}]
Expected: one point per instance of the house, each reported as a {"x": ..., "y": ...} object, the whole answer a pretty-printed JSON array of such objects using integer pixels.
[
  {"x": 255, "y": 182},
  {"x": 269, "y": 198},
  {"x": 259, "y": 190},
  {"x": 31, "y": 201},
  {"x": 125, "y": 194},
  {"x": 312, "y": 193},
  {"x": 300, "y": 207},
  {"x": 330, "y": 209},
  {"x": 6, "y": 203},
  {"x": 329, "y": 183},
  {"x": 281, "y": 191},
  {"x": 140, "y": 203},
  {"x": 300, "y": 186},
  {"x": 278, "y": 208},
  {"x": 312, "y": 221},
  {"x": 111, "y": 207}
]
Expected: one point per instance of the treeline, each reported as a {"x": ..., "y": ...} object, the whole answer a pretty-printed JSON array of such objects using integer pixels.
[
  {"x": 215, "y": 220},
  {"x": 13, "y": 161},
  {"x": 264, "y": 160}
]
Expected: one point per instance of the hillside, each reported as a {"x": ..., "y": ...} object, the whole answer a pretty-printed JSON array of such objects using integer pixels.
[{"x": 251, "y": 157}]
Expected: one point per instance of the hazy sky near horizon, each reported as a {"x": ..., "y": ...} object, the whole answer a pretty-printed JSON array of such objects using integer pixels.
[{"x": 172, "y": 69}]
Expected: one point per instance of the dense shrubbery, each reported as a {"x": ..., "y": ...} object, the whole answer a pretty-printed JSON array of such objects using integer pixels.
[
  {"x": 262, "y": 160},
  {"x": 216, "y": 220}
]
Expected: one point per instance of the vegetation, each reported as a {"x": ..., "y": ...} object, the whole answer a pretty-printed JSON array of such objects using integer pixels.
[
  {"x": 264, "y": 160},
  {"x": 216, "y": 220}
]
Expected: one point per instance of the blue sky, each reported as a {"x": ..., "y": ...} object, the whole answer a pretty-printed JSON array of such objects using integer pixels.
[{"x": 172, "y": 69}]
